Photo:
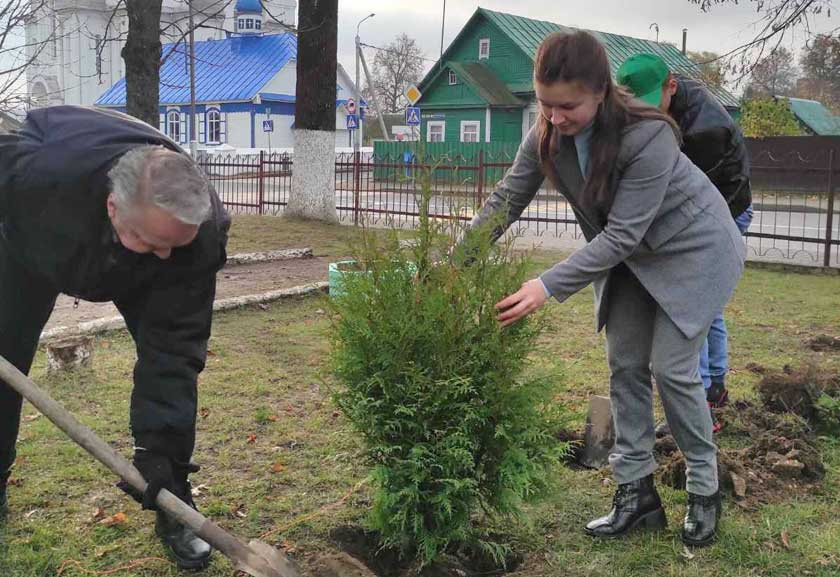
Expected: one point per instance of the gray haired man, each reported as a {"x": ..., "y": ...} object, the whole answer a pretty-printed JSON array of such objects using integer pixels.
[{"x": 102, "y": 207}]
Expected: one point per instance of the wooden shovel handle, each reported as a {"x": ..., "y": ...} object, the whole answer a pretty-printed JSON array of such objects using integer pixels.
[{"x": 233, "y": 548}]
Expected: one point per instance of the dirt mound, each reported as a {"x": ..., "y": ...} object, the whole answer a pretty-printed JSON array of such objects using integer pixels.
[
  {"x": 797, "y": 391},
  {"x": 824, "y": 343},
  {"x": 781, "y": 458},
  {"x": 365, "y": 548}
]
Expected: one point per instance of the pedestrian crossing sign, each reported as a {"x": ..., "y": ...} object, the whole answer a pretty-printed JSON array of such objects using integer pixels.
[
  {"x": 412, "y": 116},
  {"x": 352, "y": 122}
]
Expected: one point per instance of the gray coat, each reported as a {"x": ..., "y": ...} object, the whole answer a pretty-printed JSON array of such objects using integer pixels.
[{"x": 668, "y": 224}]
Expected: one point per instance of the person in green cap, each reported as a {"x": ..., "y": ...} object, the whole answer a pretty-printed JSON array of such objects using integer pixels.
[{"x": 715, "y": 143}]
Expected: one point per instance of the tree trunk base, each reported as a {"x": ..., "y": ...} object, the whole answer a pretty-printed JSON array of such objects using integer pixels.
[
  {"x": 313, "y": 176},
  {"x": 69, "y": 353}
]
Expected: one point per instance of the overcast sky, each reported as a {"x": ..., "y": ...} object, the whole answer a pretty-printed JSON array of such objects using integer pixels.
[{"x": 724, "y": 28}]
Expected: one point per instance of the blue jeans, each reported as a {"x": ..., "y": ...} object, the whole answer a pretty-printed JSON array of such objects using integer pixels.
[{"x": 714, "y": 356}]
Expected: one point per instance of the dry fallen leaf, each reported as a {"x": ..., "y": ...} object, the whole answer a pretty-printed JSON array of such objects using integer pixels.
[
  {"x": 117, "y": 519},
  {"x": 686, "y": 553},
  {"x": 273, "y": 418},
  {"x": 252, "y": 438},
  {"x": 199, "y": 490},
  {"x": 786, "y": 539},
  {"x": 204, "y": 412},
  {"x": 278, "y": 467},
  {"x": 30, "y": 418},
  {"x": 98, "y": 513},
  {"x": 32, "y": 512}
]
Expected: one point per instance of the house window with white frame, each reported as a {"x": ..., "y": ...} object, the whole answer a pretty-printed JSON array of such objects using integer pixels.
[
  {"x": 435, "y": 131},
  {"x": 242, "y": 24},
  {"x": 484, "y": 49},
  {"x": 173, "y": 125},
  {"x": 258, "y": 24},
  {"x": 453, "y": 78},
  {"x": 214, "y": 126},
  {"x": 470, "y": 130},
  {"x": 249, "y": 24}
]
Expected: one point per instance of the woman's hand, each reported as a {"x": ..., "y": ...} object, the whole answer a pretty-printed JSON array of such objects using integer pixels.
[{"x": 523, "y": 302}]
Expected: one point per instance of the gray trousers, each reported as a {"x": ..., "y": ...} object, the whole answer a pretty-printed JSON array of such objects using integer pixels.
[{"x": 643, "y": 341}]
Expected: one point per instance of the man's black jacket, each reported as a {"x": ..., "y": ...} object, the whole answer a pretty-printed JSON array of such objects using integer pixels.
[
  {"x": 713, "y": 142},
  {"x": 53, "y": 220}
]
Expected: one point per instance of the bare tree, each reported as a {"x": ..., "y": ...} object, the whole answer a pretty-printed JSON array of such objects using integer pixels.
[
  {"x": 820, "y": 62},
  {"x": 395, "y": 67},
  {"x": 712, "y": 71},
  {"x": 777, "y": 20},
  {"x": 17, "y": 54},
  {"x": 313, "y": 179},
  {"x": 774, "y": 75}
]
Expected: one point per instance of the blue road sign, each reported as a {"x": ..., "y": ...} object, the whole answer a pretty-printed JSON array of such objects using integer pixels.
[
  {"x": 412, "y": 116},
  {"x": 352, "y": 122},
  {"x": 268, "y": 125}
]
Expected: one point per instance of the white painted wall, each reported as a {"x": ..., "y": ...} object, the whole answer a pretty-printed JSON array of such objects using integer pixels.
[
  {"x": 282, "y": 137},
  {"x": 285, "y": 81},
  {"x": 239, "y": 129}
]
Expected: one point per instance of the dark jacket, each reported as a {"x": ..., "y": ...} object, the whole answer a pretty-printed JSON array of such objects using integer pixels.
[
  {"x": 713, "y": 141},
  {"x": 53, "y": 219}
]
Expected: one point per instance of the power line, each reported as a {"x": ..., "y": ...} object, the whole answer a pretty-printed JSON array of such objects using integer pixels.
[{"x": 394, "y": 51}]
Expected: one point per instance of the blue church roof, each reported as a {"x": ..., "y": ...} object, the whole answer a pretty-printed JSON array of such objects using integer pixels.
[
  {"x": 234, "y": 69},
  {"x": 254, "y": 6}
]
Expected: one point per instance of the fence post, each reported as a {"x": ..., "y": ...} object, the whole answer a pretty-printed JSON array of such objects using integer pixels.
[
  {"x": 357, "y": 177},
  {"x": 829, "y": 221},
  {"x": 480, "y": 177},
  {"x": 261, "y": 177}
]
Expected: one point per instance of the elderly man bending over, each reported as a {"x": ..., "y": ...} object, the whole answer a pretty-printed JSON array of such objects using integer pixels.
[{"x": 102, "y": 207}]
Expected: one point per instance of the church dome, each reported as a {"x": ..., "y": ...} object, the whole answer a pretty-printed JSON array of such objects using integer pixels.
[{"x": 249, "y": 6}]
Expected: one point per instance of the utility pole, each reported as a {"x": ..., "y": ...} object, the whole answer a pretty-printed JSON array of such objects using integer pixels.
[
  {"x": 357, "y": 134},
  {"x": 442, "y": 26},
  {"x": 374, "y": 98},
  {"x": 193, "y": 142}
]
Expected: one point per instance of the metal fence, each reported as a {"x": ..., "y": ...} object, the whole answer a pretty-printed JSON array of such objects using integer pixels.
[{"x": 794, "y": 179}]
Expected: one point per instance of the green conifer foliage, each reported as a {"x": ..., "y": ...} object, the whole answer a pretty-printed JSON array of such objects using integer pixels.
[{"x": 454, "y": 426}]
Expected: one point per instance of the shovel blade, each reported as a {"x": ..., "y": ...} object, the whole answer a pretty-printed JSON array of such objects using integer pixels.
[
  {"x": 599, "y": 436},
  {"x": 267, "y": 561}
]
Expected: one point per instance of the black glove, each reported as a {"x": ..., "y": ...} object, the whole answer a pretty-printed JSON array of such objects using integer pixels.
[{"x": 158, "y": 471}]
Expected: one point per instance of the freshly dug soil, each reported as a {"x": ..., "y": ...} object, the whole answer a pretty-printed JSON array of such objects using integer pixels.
[
  {"x": 365, "y": 547},
  {"x": 796, "y": 390},
  {"x": 824, "y": 343},
  {"x": 781, "y": 459}
]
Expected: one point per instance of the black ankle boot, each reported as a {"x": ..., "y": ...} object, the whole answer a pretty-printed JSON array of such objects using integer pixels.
[
  {"x": 701, "y": 519},
  {"x": 635, "y": 504},
  {"x": 188, "y": 549}
]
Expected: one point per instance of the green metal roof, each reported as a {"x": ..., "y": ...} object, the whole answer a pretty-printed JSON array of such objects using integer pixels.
[
  {"x": 528, "y": 33},
  {"x": 815, "y": 116},
  {"x": 486, "y": 83}
]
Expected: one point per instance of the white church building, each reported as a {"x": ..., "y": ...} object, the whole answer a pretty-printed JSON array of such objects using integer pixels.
[{"x": 245, "y": 68}]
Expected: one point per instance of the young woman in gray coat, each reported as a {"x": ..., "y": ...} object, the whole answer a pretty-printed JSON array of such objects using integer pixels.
[{"x": 663, "y": 255}]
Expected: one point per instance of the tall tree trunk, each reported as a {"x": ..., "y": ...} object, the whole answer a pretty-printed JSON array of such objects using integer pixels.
[
  {"x": 313, "y": 177},
  {"x": 142, "y": 53}
]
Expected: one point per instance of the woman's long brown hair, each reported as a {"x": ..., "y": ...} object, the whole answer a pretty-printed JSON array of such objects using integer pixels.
[{"x": 579, "y": 57}]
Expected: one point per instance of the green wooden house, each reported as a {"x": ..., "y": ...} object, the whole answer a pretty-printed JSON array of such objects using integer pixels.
[{"x": 482, "y": 88}]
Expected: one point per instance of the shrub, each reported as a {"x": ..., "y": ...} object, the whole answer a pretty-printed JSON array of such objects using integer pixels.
[{"x": 453, "y": 426}]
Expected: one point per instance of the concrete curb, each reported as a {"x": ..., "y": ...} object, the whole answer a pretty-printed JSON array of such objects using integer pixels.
[
  {"x": 268, "y": 256},
  {"x": 105, "y": 325}
]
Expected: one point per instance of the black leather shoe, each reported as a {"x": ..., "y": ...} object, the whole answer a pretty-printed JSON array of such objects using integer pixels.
[
  {"x": 701, "y": 519},
  {"x": 635, "y": 505},
  {"x": 188, "y": 549}
]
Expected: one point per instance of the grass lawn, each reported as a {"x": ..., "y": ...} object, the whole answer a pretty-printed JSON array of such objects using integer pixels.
[{"x": 277, "y": 458}]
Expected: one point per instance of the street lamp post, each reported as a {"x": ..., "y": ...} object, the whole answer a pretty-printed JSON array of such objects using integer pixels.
[{"x": 357, "y": 133}]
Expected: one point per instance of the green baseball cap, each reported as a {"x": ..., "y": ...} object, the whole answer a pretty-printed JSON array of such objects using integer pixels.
[{"x": 644, "y": 74}]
